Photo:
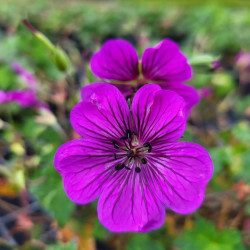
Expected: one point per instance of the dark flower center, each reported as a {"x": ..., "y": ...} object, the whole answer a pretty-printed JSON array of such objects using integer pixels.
[{"x": 132, "y": 153}]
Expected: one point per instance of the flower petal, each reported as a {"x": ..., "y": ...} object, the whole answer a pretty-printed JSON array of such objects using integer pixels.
[
  {"x": 103, "y": 114},
  {"x": 128, "y": 204},
  {"x": 117, "y": 60},
  {"x": 188, "y": 93},
  {"x": 181, "y": 171},
  {"x": 85, "y": 165},
  {"x": 165, "y": 62},
  {"x": 158, "y": 114}
]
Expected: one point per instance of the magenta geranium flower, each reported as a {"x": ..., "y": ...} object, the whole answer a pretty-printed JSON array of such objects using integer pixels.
[
  {"x": 27, "y": 97},
  {"x": 130, "y": 157},
  {"x": 164, "y": 64},
  {"x": 24, "y": 98}
]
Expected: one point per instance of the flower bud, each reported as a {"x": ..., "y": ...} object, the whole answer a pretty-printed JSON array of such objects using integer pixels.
[
  {"x": 204, "y": 63},
  {"x": 60, "y": 58}
]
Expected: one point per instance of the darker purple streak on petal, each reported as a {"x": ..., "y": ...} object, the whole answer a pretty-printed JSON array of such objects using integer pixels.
[
  {"x": 158, "y": 114},
  {"x": 85, "y": 166},
  {"x": 181, "y": 171},
  {"x": 165, "y": 62},
  {"x": 128, "y": 203},
  {"x": 102, "y": 114},
  {"x": 117, "y": 60},
  {"x": 188, "y": 93}
]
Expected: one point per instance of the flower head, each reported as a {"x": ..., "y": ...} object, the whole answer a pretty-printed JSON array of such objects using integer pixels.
[
  {"x": 25, "y": 98},
  {"x": 131, "y": 159},
  {"x": 118, "y": 61}
]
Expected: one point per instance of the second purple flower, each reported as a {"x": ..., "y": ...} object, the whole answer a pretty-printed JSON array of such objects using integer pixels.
[{"x": 164, "y": 64}]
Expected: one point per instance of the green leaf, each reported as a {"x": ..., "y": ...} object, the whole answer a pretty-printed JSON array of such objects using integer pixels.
[
  {"x": 72, "y": 245},
  {"x": 50, "y": 192},
  {"x": 8, "y": 78},
  {"x": 143, "y": 242},
  {"x": 100, "y": 232},
  {"x": 242, "y": 131},
  {"x": 220, "y": 158},
  {"x": 206, "y": 237},
  {"x": 223, "y": 83}
]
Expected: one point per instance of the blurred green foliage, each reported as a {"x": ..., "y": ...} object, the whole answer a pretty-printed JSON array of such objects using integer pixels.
[
  {"x": 144, "y": 242},
  {"x": 220, "y": 122},
  {"x": 205, "y": 236},
  {"x": 72, "y": 245}
]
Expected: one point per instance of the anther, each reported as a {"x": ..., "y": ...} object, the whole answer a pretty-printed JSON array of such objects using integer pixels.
[
  {"x": 115, "y": 143},
  {"x": 144, "y": 161},
  {"x": 115, "y": 157},
  {"x": 119, "y": 166},
  {"x": 123, "y": 138},
  {"x": 137, "y": 170},
  {"x": 128, "y": 133},
  {"x": 148, "y": 145},
  {"x": 127, "y": 168}
]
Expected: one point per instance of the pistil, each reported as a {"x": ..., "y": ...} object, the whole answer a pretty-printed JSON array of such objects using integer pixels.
[{"x": 134, "y": 154}]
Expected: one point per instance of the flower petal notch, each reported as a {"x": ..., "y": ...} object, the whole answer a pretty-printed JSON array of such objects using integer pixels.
[
  {"x": 165, "y": 62},
  {"x": 130, "y": 158},
  {"x": 117, "y": 60}
]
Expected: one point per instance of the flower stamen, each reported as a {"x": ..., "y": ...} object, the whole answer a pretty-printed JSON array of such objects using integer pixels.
[
  {"x": 137, "y": 170},
  {"x": 144, "y": 161},
  {"x": 120, "y": 166},
  {"x": 128, "y": 134},
  {"x": 148, "y": 145},
  {"x": 123, "y": 138},
  {"x": 115, "y": 143}
]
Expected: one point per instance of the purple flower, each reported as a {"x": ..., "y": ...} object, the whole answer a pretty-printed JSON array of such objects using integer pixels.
[
  {"x": 205, "y": 92},
  {"x": 242, "y": 60},
  {"x": 165, "y": 64},
  {"x": 215, "y": 64},
  {"x": 131, "y": 158},
  {"x": 25, "y": 98},
  {"x": 28, "y": 78}
]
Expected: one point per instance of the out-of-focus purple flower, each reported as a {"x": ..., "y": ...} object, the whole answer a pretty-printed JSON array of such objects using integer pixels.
[
  {"x": 205, "y": 92},
  {"x": 131, "y": 158},
  {"x": 242, "y": 60},
  {"x": 164, "y": 64},
  {"x": 25, "y": 75},
  {"x": 215, "y": 64},
  {"x": 25, "y": 98}
]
